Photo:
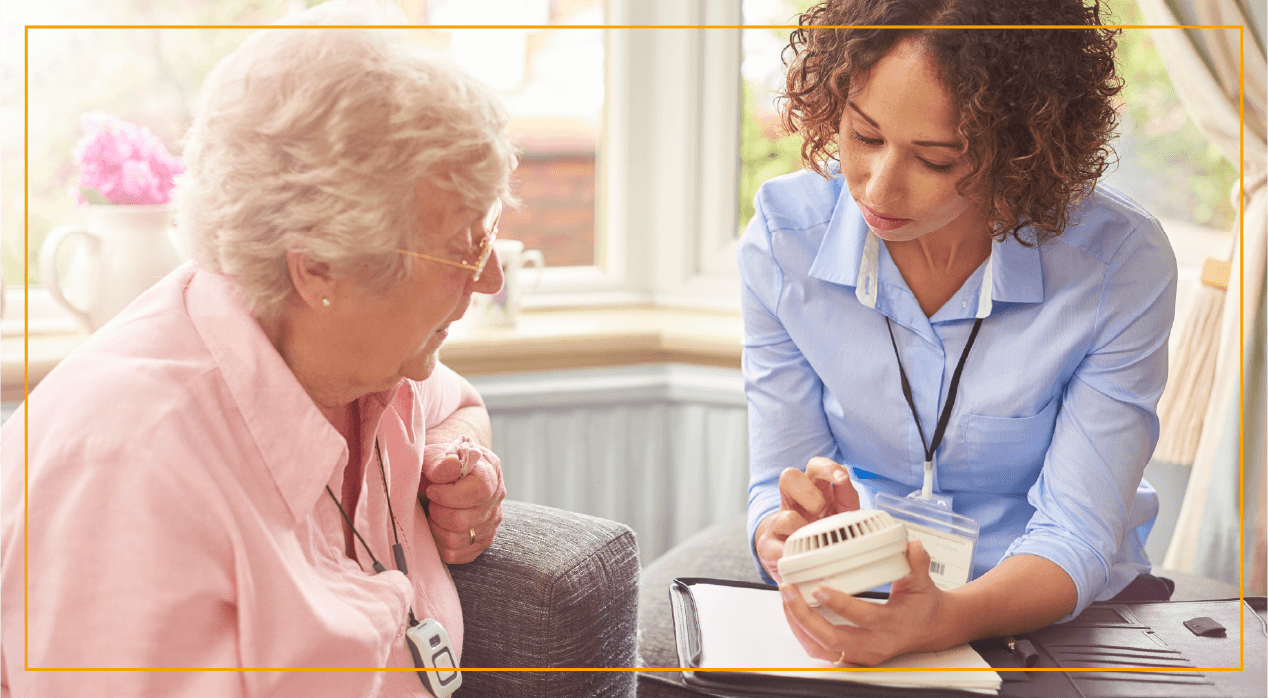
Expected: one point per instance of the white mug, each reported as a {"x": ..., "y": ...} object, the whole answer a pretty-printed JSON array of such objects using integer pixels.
[
  {"x": 502, "y": 309},
  {"x": 124, "y": 251}
]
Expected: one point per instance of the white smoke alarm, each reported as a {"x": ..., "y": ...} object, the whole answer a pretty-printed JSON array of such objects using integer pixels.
[{"x": 850, "y": 552}]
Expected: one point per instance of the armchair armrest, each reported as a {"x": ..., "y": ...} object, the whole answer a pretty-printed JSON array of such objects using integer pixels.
[{"x": 556, "y": 589}]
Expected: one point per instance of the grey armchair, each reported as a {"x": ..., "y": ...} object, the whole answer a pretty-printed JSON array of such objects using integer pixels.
[{"x": 556, "y": 589}]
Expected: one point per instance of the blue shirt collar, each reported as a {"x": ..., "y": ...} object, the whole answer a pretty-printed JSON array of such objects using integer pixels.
[
  {"x": 841, "y": 252},
  {"x": 1018, "y": 272},
  {"x": 849, "y": 249}
]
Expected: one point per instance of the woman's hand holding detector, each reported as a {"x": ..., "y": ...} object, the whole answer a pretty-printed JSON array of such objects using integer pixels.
[
  {"x": 881, "y": 630},
  {"x": 824, "y": 489}
]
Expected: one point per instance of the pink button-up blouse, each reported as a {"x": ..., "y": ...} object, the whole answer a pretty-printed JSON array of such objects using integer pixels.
[{"x": 177, "y": 517}]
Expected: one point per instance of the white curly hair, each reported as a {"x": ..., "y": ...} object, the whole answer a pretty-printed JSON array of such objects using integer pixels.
[{"x": 315, "y": 140}]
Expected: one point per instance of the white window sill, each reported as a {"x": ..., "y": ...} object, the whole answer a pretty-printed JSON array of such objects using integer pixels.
[{"x": 589, "y": 337}]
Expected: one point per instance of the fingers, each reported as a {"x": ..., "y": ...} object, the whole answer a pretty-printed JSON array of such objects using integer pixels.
[
  {"x": 823, "y": 489},
  {"x": 444, "y": 463},
  {"x": 863, "y": 614},
  {"x": 820, "y": 470},
  {"x": 460, "y": 546},
  {"x": 808, "y": 642},
  {"x": 877, "y": 631},
  {"x": 463, "y": 483},
  {"x": 785, "y": 522},
  {"x": 833, "y": 480},
  {"x": 822, "y": 639},
  {"x": 770, "y": 545},
  {"x": 462, "y": 520},
  {"x": 797, "y": 492},
  {"x": 439, "y": 466},
  {"x": 478, "y": 488},
  {"x": 823, "y": 483},
  {"x": 918, "y": 579},
  {"x": 847, "y": 498}
]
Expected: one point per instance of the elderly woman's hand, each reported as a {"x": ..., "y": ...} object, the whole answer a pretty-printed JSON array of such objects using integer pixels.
[{"x": 464, "y": 486}]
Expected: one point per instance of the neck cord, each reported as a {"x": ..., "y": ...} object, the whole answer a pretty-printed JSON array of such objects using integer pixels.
[
  {"x": 397, "y": 551},
  {"x": 378, "y": 566},
  {"x": 926, "y": 491}
]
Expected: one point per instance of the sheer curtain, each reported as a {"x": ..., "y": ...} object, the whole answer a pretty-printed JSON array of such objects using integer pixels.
[{"x": 1204, "y": 65}]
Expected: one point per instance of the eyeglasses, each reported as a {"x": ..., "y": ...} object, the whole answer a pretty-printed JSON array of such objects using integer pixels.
[{"x": 480, "y": 251}]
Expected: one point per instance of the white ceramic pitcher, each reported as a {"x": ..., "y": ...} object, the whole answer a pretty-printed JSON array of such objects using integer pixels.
[
  {"x": 502, "y": 309},
  {"x": 123, "y": 251}
]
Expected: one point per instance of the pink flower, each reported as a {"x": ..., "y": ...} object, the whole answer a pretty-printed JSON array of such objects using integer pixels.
[{"x": 123, "y": 163}]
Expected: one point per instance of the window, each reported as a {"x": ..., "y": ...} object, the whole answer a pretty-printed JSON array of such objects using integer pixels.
[
  {"x": 1165, "y": 163},
  {"x": 552, "y": 83},
  {"x": 660, "y": 133},
  {"x": 148, "y": 76},
  {"x": 669, "y": 159},
  {"x": 765, "y": 150}
]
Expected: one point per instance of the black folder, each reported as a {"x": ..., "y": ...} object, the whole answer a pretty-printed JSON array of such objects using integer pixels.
[{"x": 1109, "y": 637}]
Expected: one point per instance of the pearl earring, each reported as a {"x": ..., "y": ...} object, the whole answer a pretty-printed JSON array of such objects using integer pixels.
[{"x": 325, "y": 302}]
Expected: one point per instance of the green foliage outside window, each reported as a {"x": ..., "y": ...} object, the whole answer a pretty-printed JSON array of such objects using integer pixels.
[
  {"x": 763, "y": 155},
  {"x": 1173, "y": 170}
]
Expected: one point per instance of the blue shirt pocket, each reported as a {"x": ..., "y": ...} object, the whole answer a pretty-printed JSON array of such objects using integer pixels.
[{"x": 1005, "y": 454}]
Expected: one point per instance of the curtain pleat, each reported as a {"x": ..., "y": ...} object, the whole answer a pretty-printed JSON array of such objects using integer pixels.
[{"x": 1219, "y": 76}]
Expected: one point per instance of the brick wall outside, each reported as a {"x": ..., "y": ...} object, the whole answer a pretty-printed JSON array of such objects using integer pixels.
[{"x": 556, "y": 214}]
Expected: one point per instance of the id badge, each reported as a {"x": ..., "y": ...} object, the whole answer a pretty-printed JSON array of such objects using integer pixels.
[{"x": 948, "y": 537}]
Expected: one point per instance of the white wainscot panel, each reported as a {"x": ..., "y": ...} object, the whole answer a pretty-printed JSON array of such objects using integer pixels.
[{"x": 662, "y": 448}]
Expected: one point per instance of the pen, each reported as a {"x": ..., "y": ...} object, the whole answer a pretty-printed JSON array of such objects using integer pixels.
[{"x": 1023, "y": 650}]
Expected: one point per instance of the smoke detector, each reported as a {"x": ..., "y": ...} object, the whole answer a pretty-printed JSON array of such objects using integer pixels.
[{"x": 851, "y": 552}]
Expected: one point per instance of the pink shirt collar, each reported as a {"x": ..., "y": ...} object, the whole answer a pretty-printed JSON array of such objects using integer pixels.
[{"x": 272, "y": 401}]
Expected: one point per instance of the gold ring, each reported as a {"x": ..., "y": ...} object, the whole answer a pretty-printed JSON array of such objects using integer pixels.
[
  {"x": 473, "y": 543},
  {"x": 841, "y": 659}
]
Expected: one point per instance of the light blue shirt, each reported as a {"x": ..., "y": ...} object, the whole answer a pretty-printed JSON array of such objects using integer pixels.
[{"x": 1056, "y": 413}]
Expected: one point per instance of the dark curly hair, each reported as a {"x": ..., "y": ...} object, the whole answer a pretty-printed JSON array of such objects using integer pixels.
[{"x": 1035, "y": 105}]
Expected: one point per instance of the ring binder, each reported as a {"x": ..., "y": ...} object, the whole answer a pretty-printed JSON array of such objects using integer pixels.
[{"x": 1120, "y": 639}]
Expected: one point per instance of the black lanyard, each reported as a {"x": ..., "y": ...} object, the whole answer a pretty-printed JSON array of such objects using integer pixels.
[
  {"x": 397, "y": 551},
  {"x": 946, "y": 410}
]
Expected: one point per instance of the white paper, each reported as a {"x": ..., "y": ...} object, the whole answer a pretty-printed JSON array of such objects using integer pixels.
[{"x": 744, "y": 628}]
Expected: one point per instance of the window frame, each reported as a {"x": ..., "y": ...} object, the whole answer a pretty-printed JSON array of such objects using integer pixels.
[{"x": 667, "y": 163}]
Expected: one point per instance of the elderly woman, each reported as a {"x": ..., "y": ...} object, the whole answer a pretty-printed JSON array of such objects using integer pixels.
[
  {"x": 260, "y": 463},
  {"x": 949, "y": 304}
]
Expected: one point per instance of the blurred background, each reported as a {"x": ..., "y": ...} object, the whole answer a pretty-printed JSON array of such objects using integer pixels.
[{"x": 551, "y": 78}]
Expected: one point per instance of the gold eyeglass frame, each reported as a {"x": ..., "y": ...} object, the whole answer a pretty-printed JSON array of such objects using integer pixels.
[{"x": 482, "y": 251}]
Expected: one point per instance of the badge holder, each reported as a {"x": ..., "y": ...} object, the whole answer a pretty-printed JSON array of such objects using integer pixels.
[{"x": 948, "y": 537}]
